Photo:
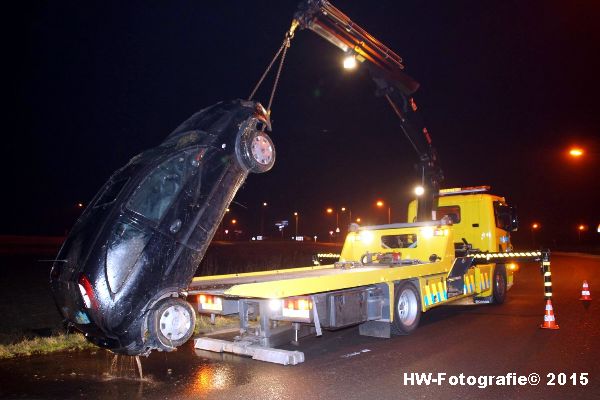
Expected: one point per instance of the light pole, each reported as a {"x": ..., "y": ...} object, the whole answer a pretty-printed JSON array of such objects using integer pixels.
[
  {"x": 381, "y": 204},
  {"x": 262, "y": 218},
  {"x": 534, "y": 227},
  {"x": 296, "y": 215},
  {"x": 580, "y": 229},
  {"x": 329, "y": 211}
]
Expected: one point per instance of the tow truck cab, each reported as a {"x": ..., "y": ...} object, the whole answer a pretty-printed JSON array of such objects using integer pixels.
[{"x": 481, "y": 219}]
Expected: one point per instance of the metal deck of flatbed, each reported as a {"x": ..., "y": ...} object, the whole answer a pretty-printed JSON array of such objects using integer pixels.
[{"x": 301, "y": 281}]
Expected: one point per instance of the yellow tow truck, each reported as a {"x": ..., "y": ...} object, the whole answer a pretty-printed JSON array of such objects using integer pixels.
[{"x": 455, "y": 246}]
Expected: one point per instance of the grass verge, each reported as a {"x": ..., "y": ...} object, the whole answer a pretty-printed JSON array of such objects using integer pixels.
[
  {"x": 45, "y": 345},
  {"x": 203, "y": 324},
  {"x": 76, "y": 341}
]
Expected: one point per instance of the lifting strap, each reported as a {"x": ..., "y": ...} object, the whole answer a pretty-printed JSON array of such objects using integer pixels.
[{"x": 289, "y": 35}]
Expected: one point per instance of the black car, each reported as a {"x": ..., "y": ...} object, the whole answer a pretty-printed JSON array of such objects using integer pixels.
[{"x": 121, "y": 275}]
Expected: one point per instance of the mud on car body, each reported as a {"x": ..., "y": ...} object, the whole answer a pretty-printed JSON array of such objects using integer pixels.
[{"x": 122, "y": 272}]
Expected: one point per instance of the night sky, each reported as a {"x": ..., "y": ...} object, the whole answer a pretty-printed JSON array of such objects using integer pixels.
[{"x": 506, "y": 88}]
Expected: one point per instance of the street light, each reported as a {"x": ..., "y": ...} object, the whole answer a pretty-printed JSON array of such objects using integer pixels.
[
  {"x": 296, "y": 215},
  {"x": 576, "y": 152},
  {"x": 234, "y": 221},
  {"x": 419, "y": 190},
  {"x": 262, "y": 218},
  {"x": 358, "y": 221},
  {"x": 580, "y": 229},
  {"x": 380, "y": 204},
  {"x": 534, "y": 227},
  {"x": 337, "y": 218}
]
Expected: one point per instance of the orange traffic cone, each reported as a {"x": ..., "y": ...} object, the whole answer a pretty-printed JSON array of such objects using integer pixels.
[
  {"x": 585, "y": 292},
  {"x": 549, "y": 321}
]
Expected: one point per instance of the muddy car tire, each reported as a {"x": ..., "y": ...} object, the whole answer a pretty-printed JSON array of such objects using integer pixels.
[
  {"x": 255, "y": 150},
  {"x": 171, "y": 323}
]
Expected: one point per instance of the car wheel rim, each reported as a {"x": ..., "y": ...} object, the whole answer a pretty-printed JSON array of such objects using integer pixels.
[
  {"x": 175, "y": 322},
  {"x": 407, "y": 307}
]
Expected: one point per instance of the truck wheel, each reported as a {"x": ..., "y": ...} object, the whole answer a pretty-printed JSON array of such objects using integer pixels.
[
  {"x": 172, "y": 323},
  {"x": 407, "y": 309},
  {"x": 499, "y": 289}
]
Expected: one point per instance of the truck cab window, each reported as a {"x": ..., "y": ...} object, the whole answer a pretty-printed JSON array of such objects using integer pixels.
[
  {"x": 404, "y": 241},
  {"x": 452, "y": 212},
  {"x": 503, "y": 216}
]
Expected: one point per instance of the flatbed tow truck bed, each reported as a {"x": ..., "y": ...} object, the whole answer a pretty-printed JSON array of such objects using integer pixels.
[{"x": 302, "y": 281}]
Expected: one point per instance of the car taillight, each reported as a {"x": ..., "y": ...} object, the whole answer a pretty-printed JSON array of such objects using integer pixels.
[
  {"x": 87, "y": 293},
  {"x": 210, "y": 302},
  {"x": 297, "y": 308}
]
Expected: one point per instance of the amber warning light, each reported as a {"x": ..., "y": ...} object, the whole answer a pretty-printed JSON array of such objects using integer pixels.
[
  {"x": 210, "y": 302},
  {"x": 297, "y": 308}
]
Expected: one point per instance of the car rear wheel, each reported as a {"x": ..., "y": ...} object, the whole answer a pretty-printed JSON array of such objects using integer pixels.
[{"x": 172, "y": 323}]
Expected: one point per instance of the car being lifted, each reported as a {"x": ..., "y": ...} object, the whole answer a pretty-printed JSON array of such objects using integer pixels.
[{"x": 121, "y": 275}]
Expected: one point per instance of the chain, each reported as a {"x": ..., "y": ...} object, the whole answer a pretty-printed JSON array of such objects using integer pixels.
[
  {"x": 282, "y": 51},
  {"x": 262, "y": 78},
  {"x": 286, "y": 45}
]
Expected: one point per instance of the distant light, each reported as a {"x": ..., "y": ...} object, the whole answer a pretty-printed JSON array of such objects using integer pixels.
[
  {"x": 80, "y": 205},
  {"x": 576, "y": 152},
  {"x": 227, "y": 210},
  {"x": 581, "y": 227},
  {"x": 379, "y": 203},
  {"x": 535, "y": 225},
  {"x": 226, "y": 231},
  {"x": 350, "y": 62},
  {"x": 296, "y": 214},
  {"x": 329, "y": 210},
  {"x": 265, "y": 204},
  {"x": 419, "y": 190},
  {"x": 337, "y": 230},
  {"x": 330, "y": 233},
  {"x": 343, "y": 208},
  {"x": 598, "y": 229},
  {"x": 234, "y": 221},
  {"x": 358, "y": 220}
]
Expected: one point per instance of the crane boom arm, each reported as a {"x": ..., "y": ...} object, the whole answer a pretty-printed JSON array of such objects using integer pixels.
[{"x": 387, "y": 71}]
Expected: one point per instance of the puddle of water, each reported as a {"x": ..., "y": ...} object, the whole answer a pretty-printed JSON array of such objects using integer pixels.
[{"x": 86, "y": 373}]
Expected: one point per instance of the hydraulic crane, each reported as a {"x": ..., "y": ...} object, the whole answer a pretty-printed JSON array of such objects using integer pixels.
[{"x": 387, "y": 71}]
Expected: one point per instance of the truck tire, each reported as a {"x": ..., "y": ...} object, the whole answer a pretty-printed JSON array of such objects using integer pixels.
[
  {"x": 499, "y": 288},
  {"x": 407, "y": 309}
]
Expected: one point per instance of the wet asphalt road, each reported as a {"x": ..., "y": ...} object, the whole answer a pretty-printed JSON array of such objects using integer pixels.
[{"x": 472, "y": 340}]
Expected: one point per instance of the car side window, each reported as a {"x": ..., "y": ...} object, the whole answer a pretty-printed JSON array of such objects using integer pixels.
[{"x": 159, "y": 189}]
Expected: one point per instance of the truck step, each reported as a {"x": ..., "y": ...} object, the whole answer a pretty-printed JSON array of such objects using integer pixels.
[{"x": 246, "y": 348}]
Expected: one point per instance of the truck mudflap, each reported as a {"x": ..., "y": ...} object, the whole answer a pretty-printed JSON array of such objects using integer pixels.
[{"x": 250, "y": 349}]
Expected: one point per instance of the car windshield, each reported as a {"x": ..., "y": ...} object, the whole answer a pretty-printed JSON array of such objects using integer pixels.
[{"x": 160, "y": 188}]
